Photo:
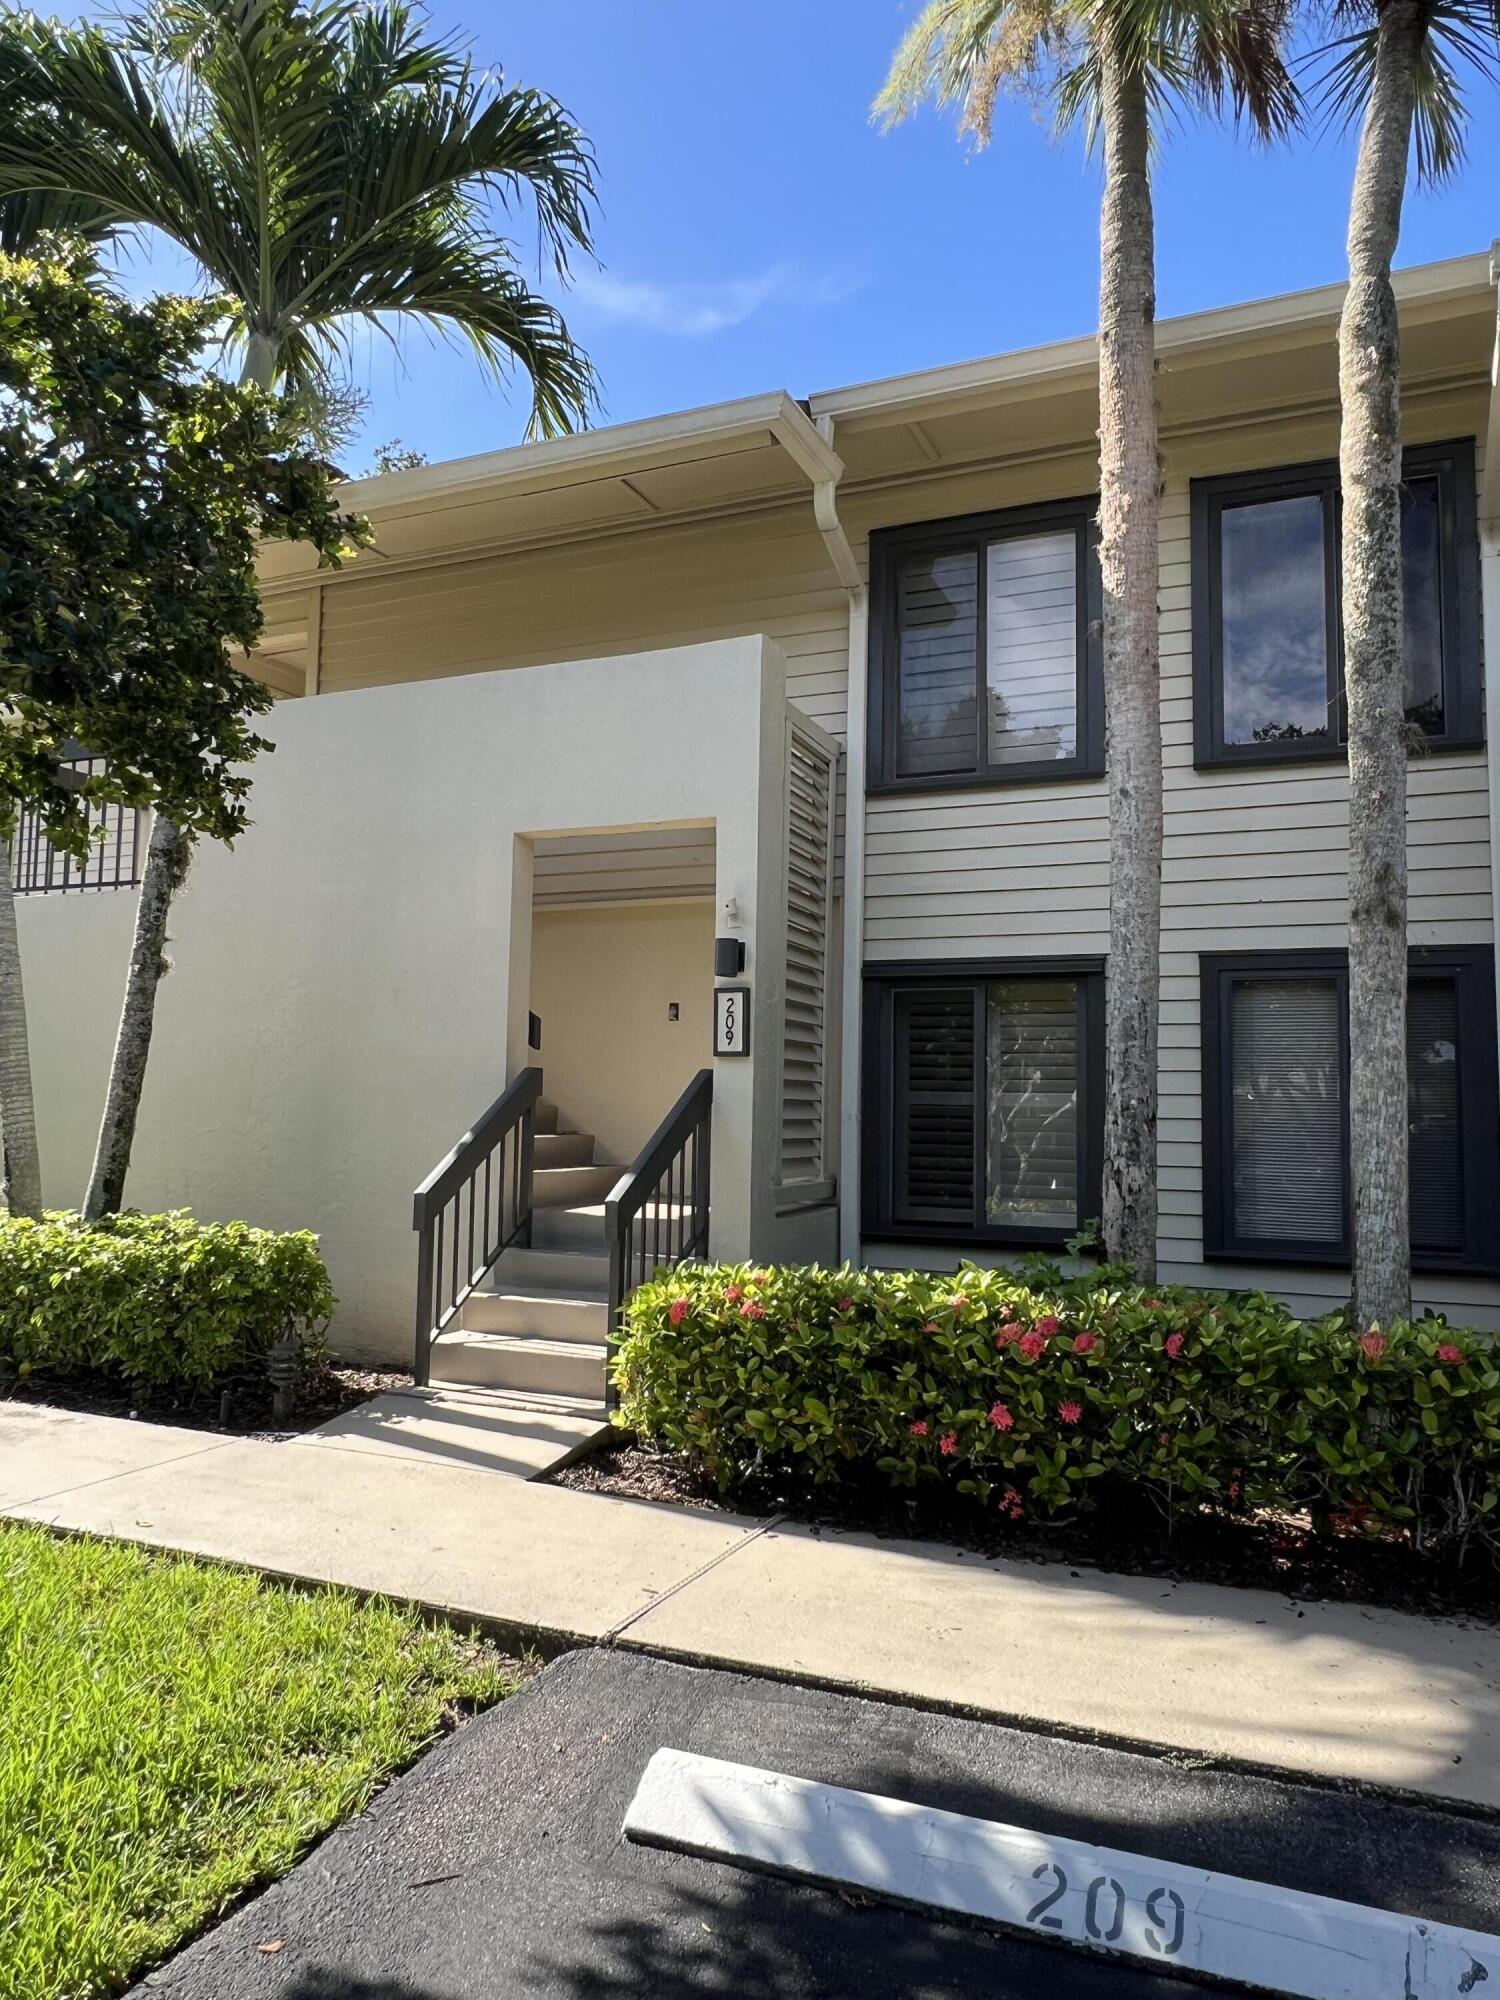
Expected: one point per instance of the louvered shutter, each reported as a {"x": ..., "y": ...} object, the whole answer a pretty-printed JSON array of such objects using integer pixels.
[
  {"x": 1435, "y": 1157},
  {"x": 809, "y": 853},
  {"x": 937, "y": 1055},
  {"x": 1288, "y": 1118}
]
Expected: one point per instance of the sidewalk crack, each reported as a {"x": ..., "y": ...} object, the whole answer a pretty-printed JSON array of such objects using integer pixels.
[
  {"x": 126, "y": 1472},
  {"x": 694, "y": 1576}
]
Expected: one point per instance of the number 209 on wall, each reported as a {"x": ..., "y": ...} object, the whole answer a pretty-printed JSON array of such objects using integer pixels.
[{"x": 731, "y": 1020}]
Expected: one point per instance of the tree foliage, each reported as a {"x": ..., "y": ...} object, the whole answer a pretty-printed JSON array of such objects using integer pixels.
[
  {"x": 134, "y": 486},
  {"x": 322, "y": 162}
]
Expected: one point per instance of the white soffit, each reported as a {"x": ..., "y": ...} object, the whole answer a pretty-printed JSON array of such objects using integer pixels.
[{"x": 1105, "y": 1900}]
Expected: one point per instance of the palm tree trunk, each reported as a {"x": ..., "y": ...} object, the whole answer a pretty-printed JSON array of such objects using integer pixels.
[
  {"x": 20, "y": 1160},
  {"x": 1374, "y": 676},
  {"x": 166, "y": 867},
  {"x": 1128, "y": 509}
]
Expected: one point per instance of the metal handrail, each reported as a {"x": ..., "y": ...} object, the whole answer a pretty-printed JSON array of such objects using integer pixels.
[
  {"x": 657, "y": 1213},
  {"x": 473, "y": 1205}
]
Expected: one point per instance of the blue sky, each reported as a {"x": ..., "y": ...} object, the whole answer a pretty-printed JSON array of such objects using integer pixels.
[{"x": 758, "y": 233}]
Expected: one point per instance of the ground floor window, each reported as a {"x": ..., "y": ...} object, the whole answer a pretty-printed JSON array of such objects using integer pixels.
[
  {"x": 1276, "y": 1181},
  {"x": 984, "y": 1101}
]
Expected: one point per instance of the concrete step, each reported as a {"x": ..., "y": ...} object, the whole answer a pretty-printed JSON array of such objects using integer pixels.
[
  {"x": 519, "y": 1366},
  {"x": 524, "y": 1436},
  {"x": 566, "y": 1187},
  {"x": 536, "y": 1313},
  {"x": 578, "y": 1274},
  {"x": 564, "y": 1149},
  {"x": 576, "y": 1228}
]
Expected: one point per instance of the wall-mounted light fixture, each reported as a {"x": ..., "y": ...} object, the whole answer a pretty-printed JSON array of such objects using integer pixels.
[{"x": 729, "y": 957}]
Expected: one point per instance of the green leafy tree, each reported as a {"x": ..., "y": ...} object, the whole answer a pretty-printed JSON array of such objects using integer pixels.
[
  {"x": 324, "y": 164},
  {"x": 1120, "y": 67},
  {"x": 1399, "y": 69},
  {"x": 134, "y": 488}
]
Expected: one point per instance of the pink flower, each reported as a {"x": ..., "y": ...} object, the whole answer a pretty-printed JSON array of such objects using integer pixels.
[
  {"x": 679, "y": 1310},
  {"x": 1070, "y": 1412},
  {"x": 1234, "y": 1489},
  {"x": 1373, "y": 1344},
  {"x": 1085, "y": 1343},
  {"x": 846, "y": 1305},
  {"x": 1000, "y": 1417},
  {"x": 919, "y": 1429},
  {"x": 1047, "y": 1325},
  {"x": 1151, "y": 1305},
  {"x": 1033, "y": 1344},
  {"x": 734, "y": 1294},
  {"x": 1163, "y": 1437},
  {"x": 1006, "y": 1335},
  {"x": 1173, "y": 1345},
  {"x": 753, "y": 1310},
  {"x": 931, "y": 1326},
  {"x": 1010, "y": 1502},
  {"x": 948, "y": 1443},
  {"x": 957, "y": 1303},
  {"x": 1450, "y": 1352}
]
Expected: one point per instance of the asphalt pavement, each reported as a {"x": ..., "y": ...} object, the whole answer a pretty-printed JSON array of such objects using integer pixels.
[{"x": 496, "y": 1868}]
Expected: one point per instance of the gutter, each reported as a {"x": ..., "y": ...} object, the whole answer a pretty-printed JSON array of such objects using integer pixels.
[{"x": 1489, "y": 574}]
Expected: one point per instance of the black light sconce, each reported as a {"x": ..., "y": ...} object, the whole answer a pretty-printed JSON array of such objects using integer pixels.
[{"x": 729, "y": 957}]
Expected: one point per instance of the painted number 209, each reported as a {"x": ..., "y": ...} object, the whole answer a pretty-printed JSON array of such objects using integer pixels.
[{"x": 1104, "y": 1911}]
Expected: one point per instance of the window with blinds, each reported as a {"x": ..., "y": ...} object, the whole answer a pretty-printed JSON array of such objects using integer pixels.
[
  {"x": 982, "y": 1103},
  {"x": 809, "y": 889},
  {"x": 984, "y": 649},
  {"x": 1276, "y": 1129}
]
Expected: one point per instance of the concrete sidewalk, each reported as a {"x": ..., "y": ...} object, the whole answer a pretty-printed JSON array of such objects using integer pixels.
[{"x": 1335, "y": 1691}]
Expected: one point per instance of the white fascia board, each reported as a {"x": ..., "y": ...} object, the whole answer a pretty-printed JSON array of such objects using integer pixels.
[
  {"x": 618, "y": 448},
  {"x": 1289, "y": 313},
  {"x": 1253, "y": 1936}
]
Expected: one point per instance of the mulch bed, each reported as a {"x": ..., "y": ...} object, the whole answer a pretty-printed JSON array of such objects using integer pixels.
[
  {"x": 243, "y": 1411},
  {"x": 1279, "y": 1552}
]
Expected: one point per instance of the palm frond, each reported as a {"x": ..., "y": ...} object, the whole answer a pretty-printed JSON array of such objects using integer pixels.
[
  {"x": 1459, "y": 37},
  {"x": 26, "y": 218}
]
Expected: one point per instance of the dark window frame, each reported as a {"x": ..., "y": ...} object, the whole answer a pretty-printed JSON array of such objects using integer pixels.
[
  {"x": 882, "y": 1219},
  {"x": 1458, "y": 581},
  {"x": 888, "y": 547},
  {"x": 1471, "y": 968}
]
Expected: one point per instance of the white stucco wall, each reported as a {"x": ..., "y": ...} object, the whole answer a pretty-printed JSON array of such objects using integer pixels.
[{"x": 350, "y": 984}]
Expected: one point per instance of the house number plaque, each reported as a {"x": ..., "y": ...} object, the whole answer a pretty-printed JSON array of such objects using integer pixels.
[{"x": 731, "y": 1020}]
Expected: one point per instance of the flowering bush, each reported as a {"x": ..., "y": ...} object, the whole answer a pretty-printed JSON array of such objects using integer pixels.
[{"x": 1028, "y": 1390}]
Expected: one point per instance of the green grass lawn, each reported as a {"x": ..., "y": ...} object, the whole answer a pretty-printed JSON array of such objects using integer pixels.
[{"x": 171, "y": 1733}]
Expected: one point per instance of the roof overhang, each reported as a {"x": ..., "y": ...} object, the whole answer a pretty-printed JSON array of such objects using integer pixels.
[{"x": 757, "y": 451}]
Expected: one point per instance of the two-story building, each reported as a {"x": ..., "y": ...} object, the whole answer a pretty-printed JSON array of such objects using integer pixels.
[{"x": 776, "y": 729}]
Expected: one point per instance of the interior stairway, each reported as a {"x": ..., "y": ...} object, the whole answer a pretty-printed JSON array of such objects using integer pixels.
[{"x": 533, "y": 1332}]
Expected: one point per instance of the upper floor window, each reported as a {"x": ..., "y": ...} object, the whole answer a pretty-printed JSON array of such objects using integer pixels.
[
  {"x": 1267, "y": 636},
  {"x": 984, "y": 650}
]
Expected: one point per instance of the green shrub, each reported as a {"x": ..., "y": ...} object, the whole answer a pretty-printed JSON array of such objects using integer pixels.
[
  {"x": 159, "y": 1301},
  {"x": 1029, "y": 1390}
]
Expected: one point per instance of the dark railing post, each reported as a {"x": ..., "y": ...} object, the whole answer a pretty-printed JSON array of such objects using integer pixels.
[{"x": 458, "y": 1186}]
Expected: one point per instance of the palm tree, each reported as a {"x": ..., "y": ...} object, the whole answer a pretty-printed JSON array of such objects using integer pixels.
[
  {"x": 1399, "y": 70},
  {"x": 324, "y": 163},
  {"x": 1119, "y": 67}
]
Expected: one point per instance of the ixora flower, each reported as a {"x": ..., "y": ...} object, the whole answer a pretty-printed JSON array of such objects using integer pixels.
[
  {"x": 1069, "y": 1412},
  {"x": 1151, "y": 1305},
  {"x": 734, "y": 1293},
  {"x": 1007, "y": 1334},
  {"x": 1173, "y": 1345},
  {"x": 752, "y": 1309},
  {"x": 1085, "y": 1343},
  {"x": 948, "y": 1443},
  {"x": 846, "y": 1305},
  {"x": 1000, "y": 1417},
  {"x": 678, "y": 1311},
  {"x": 957, "y": 1303},
  {"x": 931, "y": 1326},
  {"x": 1010, "y": 1503},
  {"x": 920, "y": 1428},
  {"x": 1373, "y": 1344},
  {"x": 1047, "y": 1325},
  {"x": 1450, "y": 1352},
  {"x": 1033, "y": 1344}
]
